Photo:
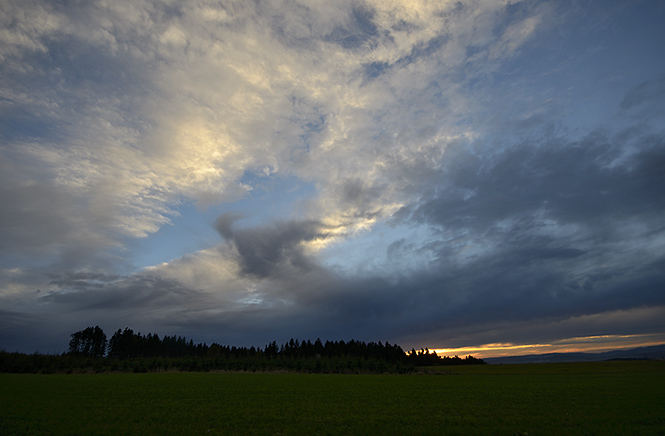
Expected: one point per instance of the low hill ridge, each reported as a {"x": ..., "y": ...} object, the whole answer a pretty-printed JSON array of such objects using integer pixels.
[{"x": 655, "y": 352}]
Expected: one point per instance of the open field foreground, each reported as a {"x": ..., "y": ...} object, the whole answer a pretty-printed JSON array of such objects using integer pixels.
[{"x": 602, "y": 398}]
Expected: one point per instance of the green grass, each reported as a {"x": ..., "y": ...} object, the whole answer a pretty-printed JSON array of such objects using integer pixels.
[{"x": 620, "y": 398}]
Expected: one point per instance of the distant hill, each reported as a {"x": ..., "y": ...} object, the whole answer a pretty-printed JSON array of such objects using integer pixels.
[{"x": 654, "y": 352}]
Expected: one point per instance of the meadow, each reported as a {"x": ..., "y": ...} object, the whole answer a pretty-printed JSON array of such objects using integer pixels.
[{"x": 602, "y": 398}]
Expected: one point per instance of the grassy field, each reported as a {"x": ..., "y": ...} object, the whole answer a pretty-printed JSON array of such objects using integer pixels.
[{"x": 607, "y": 398}]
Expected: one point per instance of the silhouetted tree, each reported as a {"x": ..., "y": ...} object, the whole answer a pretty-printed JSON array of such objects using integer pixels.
[{"x": 88, "y": 342}]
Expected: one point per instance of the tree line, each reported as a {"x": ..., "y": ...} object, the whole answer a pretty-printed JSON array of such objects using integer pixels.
[
  {"x": 424, "y": 357},
  {"x": 129, "y": 351}
]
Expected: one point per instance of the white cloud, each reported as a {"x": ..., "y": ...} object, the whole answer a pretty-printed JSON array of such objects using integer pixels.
[
  {"x": 213, "y": 271},
  {"x": 199, "y": 94}
]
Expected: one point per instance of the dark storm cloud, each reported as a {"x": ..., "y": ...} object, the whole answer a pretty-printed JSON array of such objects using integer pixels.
[
  {"x": 79, "y": 299},
  {"x": 268, "y": 251},
  {"x": 554, "y": 226},
  {"x": 359, "y": 194},
  {"x": 87, "y": 292},
  {"x": 590, "y": 182},
  {"x": 17, "y": 327},
  {"x": 448, "y": 304}
]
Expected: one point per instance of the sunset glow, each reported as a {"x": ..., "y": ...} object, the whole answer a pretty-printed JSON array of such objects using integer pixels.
[{"x": 588, "y": 344}]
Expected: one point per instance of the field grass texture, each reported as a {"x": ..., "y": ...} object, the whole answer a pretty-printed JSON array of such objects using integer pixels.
[{"x": 600, "y": 398}]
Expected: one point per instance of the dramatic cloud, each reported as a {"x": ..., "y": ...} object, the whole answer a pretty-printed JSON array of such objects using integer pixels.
[{"x": 440, "y": 174}]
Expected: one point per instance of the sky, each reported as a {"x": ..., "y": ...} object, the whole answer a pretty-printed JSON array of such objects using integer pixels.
[{"x": 458, "y": 175}]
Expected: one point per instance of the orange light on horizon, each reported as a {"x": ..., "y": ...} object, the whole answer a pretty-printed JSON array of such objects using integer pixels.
[{"x": 580, "y": 344}]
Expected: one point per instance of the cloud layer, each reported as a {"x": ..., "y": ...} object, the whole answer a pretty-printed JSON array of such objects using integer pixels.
[{"x": 470, "y": 168}]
